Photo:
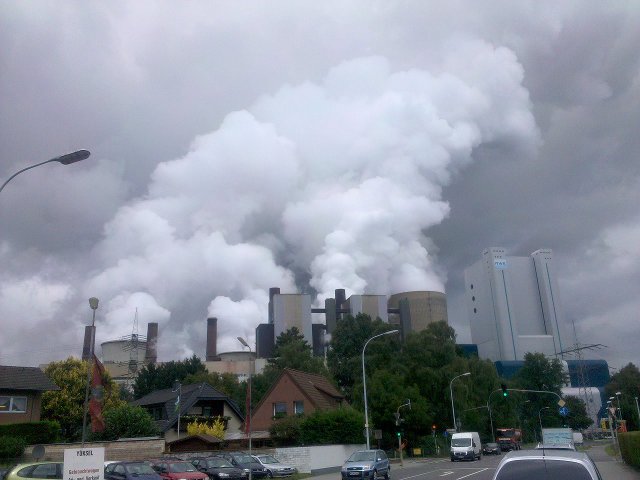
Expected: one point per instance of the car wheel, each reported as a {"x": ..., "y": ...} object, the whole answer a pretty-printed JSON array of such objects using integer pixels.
[
  {"x": 269, "y": 474},
  {"x": 387, "y": 473},
  {"x": 375, "y": 475}
]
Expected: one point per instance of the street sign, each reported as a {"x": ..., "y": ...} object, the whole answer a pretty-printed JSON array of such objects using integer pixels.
[
  {"x": 561, "y": 403},
  {"x": 83, "y": 463},
  {"x": 564, "y": 411}
]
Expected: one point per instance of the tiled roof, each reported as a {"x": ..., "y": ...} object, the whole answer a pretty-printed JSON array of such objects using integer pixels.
[
  {"x": 318, "y": 388},
  {"x": 25, "y": 378}
]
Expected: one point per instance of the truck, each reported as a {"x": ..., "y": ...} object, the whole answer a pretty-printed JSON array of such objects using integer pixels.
[
  {"x": 509, "y": 438},
  {"x": 557, "y": 436}
]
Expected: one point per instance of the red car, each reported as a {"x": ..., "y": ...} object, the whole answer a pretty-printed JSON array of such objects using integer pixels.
[{"x": 178, "y": 470}]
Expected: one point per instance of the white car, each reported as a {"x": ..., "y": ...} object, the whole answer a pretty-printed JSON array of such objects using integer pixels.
[{"x": 274, "y": 467}]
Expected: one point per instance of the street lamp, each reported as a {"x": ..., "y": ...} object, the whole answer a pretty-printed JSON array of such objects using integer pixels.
[
  {"x": 453, "y": 410},
  {"x": 248, "y": 421},
  {"x": 65, "y": 159},
  {"x": 638, "y": 409},
  {"x": 364, "y": 385},
  {"x": 93, "y": 304},
  {"x": 619, "y": 406}
]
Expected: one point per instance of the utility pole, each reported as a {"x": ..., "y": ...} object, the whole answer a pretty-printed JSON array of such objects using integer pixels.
[{"x": 398, "y": 421}]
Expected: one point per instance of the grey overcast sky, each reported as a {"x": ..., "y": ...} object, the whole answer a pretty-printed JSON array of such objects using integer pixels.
[{"x": 370, "y": 145}]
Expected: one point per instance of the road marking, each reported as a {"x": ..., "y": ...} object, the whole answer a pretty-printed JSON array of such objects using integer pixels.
[
  {"x": 460, "y": 478},
  {"x": 444, "y": 474}
]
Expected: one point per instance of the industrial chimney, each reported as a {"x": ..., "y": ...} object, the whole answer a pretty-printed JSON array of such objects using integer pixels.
[
  {"x": 86, "y": 346},
  {"x": 212, "y": 339},
  {"x": 151, "y": 354}
]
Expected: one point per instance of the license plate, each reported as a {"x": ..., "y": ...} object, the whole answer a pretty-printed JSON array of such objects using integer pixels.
[{"x": 354, "y": 474}]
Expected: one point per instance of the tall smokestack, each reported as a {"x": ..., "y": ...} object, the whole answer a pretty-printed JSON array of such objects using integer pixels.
[
  {"x": 272, "y": 292},
  {"x": 212, "y": 339},
  {"x": 86, "y": 346},
  {"x": 151, "y": 354}
]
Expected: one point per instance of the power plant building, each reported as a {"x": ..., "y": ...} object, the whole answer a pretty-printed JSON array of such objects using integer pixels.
[
  {"x": 425, "y": 307},
  {"x": 513, "y": 304}
]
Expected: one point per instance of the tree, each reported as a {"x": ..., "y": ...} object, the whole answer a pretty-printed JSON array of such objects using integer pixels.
[
  {"x": 578, "y": 419},
  {"x": 158, "y": 377},
  {"x": 627, "y": 382},
  {"x": 327, "y": 427},
  {"x": 126, "y": 421},
  {"x": 66, "y": 406}
]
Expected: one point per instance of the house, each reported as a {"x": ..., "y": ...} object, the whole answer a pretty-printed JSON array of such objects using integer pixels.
[
  {"x": 21, "y": 393},
  {"x": 197, "y": 402},
  {"x": 295, "y": 393}
]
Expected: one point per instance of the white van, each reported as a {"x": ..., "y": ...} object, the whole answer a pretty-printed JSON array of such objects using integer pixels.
[{"x": 465, "y": 446}]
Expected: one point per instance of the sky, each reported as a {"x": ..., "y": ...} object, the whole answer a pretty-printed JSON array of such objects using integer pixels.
[{"x": 374, "y": 146}]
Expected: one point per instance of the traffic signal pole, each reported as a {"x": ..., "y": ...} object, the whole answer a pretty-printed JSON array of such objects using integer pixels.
[{"x": 399, "y": 431}]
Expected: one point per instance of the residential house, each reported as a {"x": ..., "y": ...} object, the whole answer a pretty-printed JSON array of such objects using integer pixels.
[
  {"x": 293, "y": 393},
  {"x": 196, "y": 402},
  {"x": 21, "y": 391}
]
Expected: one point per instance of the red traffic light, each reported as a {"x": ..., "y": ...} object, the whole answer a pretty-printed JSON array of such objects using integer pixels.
[{"x": 434, "y": 426}]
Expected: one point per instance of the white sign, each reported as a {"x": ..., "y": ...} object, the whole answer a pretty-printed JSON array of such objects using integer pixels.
[
  {"x": 500, "y": 263},
  {"x": 83, "y": 464}
]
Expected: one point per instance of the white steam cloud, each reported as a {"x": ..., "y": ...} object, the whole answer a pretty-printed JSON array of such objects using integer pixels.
[{"x": 336, "y": 181}]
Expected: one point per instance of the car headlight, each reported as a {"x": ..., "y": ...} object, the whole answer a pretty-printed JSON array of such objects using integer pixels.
[{"x": 246, "y": 470}]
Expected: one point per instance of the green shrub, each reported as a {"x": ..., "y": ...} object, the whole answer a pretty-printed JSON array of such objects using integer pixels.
[
  {"x": 11, "y": 447},
  {"x": 286, "y": 431},
  {"x": 630, "y": 448},
  {"x": 33, "y": 433},
  {"x": 327, "y": 427}
]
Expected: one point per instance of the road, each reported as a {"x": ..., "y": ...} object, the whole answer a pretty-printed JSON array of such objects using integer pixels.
[{"x": 445, "y": 469}]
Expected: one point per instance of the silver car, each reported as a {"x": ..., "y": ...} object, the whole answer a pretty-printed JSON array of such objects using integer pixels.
[
  {"x": 274, "y": 467},
  {"x": 366, "y": 464},
  {"x": 546, "y": 465}
]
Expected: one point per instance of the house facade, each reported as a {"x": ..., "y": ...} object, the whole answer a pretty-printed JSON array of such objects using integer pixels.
[
  {"x": 21, "y": 391},
  {"x": 196, "y": 402},
  {"x": 295, "y": 393}
]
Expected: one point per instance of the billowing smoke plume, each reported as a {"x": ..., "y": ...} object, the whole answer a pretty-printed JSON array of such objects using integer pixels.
[{"x": 336, "y": 181}]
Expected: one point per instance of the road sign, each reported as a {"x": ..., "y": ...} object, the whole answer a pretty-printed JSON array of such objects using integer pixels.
[
  {"x": 564, "y": 411},
  {"x": 561, "y": 403}
]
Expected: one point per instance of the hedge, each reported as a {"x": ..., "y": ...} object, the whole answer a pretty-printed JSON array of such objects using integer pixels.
[
  {"x": 630, "y": 448},
  {"x": 33, "y": 433},
  {"x": 11, "y": 448}
]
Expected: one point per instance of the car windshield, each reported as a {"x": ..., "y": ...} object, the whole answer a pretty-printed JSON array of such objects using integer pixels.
[
  {"x": 267, "y": 459},
  {"x": 140, "y": 469},
  {"x": 244, "y": 458},
  {"x": 461, "y": 442},
  {"x": 362, "y": 457},
  {"x": 179, "y": 467},
  {"x": 538, "y": 469},
  {"x": 219, "y": 463}
]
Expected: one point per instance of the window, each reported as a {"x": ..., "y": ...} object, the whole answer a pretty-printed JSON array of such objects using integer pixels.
[
  {"x": 207, "y": 412},
  {"x": 45, "y": 470},
  {"x": 298, "y": 407},
  {"x": 279, "y": 409},
  {"x": 13, "y": 404}
]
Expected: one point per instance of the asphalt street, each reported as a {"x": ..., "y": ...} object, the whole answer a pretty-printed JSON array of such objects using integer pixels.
[{"x": 443, "y": 469}]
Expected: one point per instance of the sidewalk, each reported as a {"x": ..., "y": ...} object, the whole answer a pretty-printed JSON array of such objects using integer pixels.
[{"x": 610, "y": 467}]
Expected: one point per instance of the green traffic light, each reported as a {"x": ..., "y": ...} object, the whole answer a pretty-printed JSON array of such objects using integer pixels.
[{"x": 398, "y": 434}]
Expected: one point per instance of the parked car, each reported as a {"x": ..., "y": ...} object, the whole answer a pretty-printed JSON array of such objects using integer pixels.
[
  {"x": 246, "y": 462},
  {"x": 178, "y": 470},
  {"x": 24, "y": 471},
  {"x": 371, "y": 464},
  {"x": 491, "y": 448},
  {"x": 130, "y": 471},
  {"x": 546, "y": 465},
  {"x": 274, "y": 467},
  {"x": 218, "y": 468}
]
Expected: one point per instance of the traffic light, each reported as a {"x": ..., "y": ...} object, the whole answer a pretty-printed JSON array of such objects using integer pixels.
[
  {"x": 433, "y": 427},
  {"x": 398, "y": 434},
  {"x": 505, "y": 391}
]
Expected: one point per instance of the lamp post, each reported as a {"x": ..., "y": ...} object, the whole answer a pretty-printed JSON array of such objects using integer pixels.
[
  {"x": 93, "y": 304},
  {"x": 177, "y": 388},
  {"x": 638, "y": 409},
  {"x": 619, "y": 406},
  {"x": 364, "y": 385},
  {"x": 65, "y": 159},
  {"x": 540, "y": 420},
  {"x": 453, "y": 410},
  {"x": 248, "y": 428}
]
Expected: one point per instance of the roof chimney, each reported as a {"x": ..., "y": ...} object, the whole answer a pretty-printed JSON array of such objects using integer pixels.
[
  {"x": 151, "y": 354},
  {"x": 212, "y": 339}
]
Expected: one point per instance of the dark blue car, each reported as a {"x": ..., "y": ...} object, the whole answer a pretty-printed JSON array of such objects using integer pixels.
[{"x": 130, "y": 471}]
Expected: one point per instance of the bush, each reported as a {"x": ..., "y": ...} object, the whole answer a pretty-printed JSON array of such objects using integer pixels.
[
  {"x": 286, "y": 431},
  {"x": 11, "y": 447},
  {"x": 33, "y": 433},
  {"x": 630, "y": 448},
  {"x": 126, "y": 421},
  {"x": 326, "y": 427}
]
